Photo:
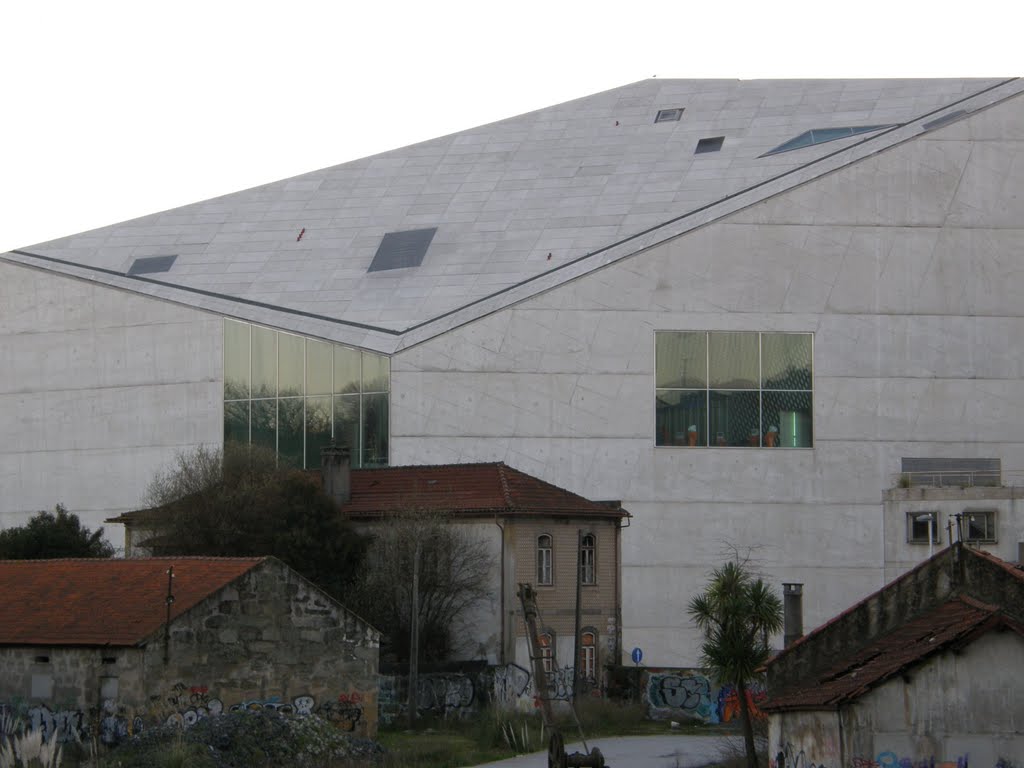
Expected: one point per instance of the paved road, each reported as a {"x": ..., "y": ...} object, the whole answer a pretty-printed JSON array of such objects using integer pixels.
[{"x": 672, "y": 751}]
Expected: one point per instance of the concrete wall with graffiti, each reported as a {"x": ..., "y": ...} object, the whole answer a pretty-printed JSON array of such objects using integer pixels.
[
  {"x": 687, "y": 694},
  {"x": 270, "y": 640},
  {"x": 961, "y": 710}
]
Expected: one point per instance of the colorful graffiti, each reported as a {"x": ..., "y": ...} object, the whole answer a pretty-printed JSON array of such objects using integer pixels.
[
  {"x": 693, "y": 695},
  {"x": 729, "y": 702},
  {"x": 890, "y": 759}
]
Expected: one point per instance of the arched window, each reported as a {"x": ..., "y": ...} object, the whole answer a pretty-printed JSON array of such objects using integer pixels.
[
  {"x": 547, "y": 651},
  {"x": 588, "y": 654},
  {"x": 588, "y": 552},
  {"x": 544, "y": 571}
]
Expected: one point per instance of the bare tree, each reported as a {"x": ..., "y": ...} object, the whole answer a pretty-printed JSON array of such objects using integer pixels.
[{"x": 453, "y": 570}]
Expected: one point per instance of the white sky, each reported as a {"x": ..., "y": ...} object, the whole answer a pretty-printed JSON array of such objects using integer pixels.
[{"x": 111, "y": 110}]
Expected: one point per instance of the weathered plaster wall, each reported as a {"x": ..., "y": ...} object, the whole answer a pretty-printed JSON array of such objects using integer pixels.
[
  {"x": 904, "y": 268},
  {"x": 99, "y": 389},
  {"x": 957, "y": 709}
]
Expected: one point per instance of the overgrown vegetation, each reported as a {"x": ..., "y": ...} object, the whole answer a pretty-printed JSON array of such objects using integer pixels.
[
  {"x": 243, "y": 502},
  {"x": 263, "y": 739},
  {"x": 53, "y": 534}
]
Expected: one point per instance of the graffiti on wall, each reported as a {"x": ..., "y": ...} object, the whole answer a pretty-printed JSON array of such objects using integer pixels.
[
  {"x": 693, "y": 695},
  {"x": 182, "y": 706},
  {"x": 890, "y": 759},
  {"x": 789, "y": 756}
]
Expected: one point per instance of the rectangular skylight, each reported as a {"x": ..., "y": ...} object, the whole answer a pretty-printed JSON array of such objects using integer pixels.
[
  {"x": 713, "y": 144},
  {"x": 668, "y": 115},
  {"x": 149, "y": 265}
]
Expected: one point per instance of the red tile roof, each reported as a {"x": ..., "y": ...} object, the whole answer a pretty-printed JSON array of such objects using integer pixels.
[
  {"x": 104, "y": 602},
  {"x": 952, "y": 624},
  {"x": 493, "y": 488}
]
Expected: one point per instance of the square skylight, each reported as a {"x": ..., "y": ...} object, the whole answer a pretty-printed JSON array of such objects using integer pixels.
[{"x": 399, "y": 250}]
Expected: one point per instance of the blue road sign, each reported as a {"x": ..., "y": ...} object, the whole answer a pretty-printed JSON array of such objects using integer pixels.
[{"x": 637, "y": 655}]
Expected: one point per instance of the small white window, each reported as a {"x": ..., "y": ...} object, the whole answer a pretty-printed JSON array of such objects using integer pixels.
[
  {"x": 980, "y": 526},
  {"x": 544, "y": 572},
  {"x": 588, "y": 551},
  {"x": 588, "y": 655},
  {"x": 918, "y": 525},
  {"x": 547, "y": 653}
]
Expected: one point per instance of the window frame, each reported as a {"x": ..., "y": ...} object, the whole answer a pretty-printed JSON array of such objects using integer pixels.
[
  {"x": 588, "y": 654},
  {"x": 545, "y": 560},
  {"x": 991, "y": 526},
  {"x": 588, "y": 570},
  {"x": 923, "y": 538},
  {"x": 715, "y": 398},
  {"x": 547, "y": 650}
]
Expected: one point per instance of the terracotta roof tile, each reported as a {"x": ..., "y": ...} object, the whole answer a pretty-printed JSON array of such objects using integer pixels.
[
  {"x": 466, "y": 489},
  {"x": 951, "y": 624},
  {"x": 104, "y": 602}
]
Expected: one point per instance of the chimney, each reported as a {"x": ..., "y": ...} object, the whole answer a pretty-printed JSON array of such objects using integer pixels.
[
  {"x": 793, "y": 613},
  {"x": 335, "y": 466}
]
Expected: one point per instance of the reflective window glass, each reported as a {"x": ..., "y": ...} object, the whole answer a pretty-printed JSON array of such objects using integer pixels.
[
  {"x": 290, "y": 365},
  {"x": 319, "y": 367},
  {"x": 264, "y": 423},
  {"x": 376, "y": 372},
  {"x": 347, "y": 368},
  {"x": 733, "y": 360},
  {"x": 346, "y": 396},
  {"x": 681, "y": 360},
  {"x": 236, "y": 360},
  {"x": 681, "y": 417},
  {"x": 236, "y": 422},
  {"x": 734, "y": 418},
  {"x": 375, "y": 430},
  {"x": 346, "y": 425},
  {"x": 264, "y": 362},
  {"x": 786, "y": 360},
  {"x": 289, "y": 431},
  {"x": 318, "y": 428},
  {"x": 789, "y": 415}
]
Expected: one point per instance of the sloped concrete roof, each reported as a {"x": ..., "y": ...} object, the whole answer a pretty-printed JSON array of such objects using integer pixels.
[{"x": 519, "y": 205}]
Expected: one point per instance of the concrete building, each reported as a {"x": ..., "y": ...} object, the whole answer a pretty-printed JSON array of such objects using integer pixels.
[
  {"x": 818, "y": 277},
  {"x": 927, "y": 671},
  {"x": 95, "y": 647}
]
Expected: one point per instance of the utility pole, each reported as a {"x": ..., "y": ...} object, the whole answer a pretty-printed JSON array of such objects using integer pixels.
[
  {"x": 577, "y": 666},
  {"x": 414, "y": 632}
]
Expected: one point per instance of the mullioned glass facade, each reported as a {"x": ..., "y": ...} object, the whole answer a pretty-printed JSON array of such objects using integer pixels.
[{"x": 296, "y": 394}]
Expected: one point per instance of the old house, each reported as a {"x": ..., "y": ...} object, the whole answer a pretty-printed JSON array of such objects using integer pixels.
[
  {"x": 109, "y": 647},
  {"x": 928, "y": 671}
]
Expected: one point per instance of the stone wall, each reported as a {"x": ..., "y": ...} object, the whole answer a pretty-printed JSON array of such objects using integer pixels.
[{"x": 270, "y": 640}]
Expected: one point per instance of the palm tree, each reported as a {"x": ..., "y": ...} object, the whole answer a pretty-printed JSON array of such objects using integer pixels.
[{"x": 736, "y": 613}]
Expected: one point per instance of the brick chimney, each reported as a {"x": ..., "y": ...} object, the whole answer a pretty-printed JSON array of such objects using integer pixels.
[
  {"x": 336, "y": 468},
  {"x": 793, "y": 613}
]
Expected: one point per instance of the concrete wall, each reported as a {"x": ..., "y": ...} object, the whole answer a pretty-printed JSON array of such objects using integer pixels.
[
  {"x": 269, "y": 640},
  {"x": 957, "y": 709},
  {"x": 899, "y": 503},
  {"x": 99, "y": 389},
  {"x": 904, "y": 268}
]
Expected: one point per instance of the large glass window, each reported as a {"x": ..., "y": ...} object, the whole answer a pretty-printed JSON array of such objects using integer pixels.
[
  {"x": 588, "y": 551},
  {"x": 739, "y": 389},
  {"x": 296, "y": 395}
]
